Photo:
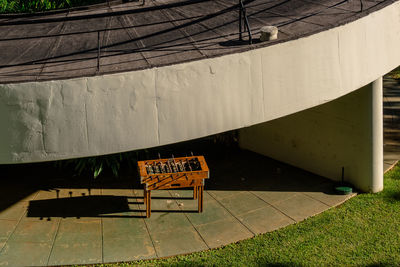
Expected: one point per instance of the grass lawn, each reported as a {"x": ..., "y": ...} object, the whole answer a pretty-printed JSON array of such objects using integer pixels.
[
  {"x": 28, "y": 6},
  {"x": 395, "y": 73},
  {"x": 363, "y": 231}
]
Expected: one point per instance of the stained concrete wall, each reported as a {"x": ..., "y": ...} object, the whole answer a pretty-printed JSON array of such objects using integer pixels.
[
  {"x": 324, "y": 139},
  {"x": 43, "y": 121}
]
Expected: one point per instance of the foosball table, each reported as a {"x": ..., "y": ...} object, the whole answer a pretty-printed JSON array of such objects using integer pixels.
[{"x": 183, "y": 172}]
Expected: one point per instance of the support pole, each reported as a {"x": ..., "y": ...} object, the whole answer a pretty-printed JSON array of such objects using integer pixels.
[
  {"x": 377, "y": 136},
  {"x": 243, "y": 18}
]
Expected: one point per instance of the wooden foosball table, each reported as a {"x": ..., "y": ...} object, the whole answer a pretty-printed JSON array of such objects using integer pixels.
[{"x": 184, "y": 172}]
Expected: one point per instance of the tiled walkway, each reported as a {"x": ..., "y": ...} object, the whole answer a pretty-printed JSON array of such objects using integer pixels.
[
  {"x": 58, "y": 222},
  {"x": 63, "y": 223}
]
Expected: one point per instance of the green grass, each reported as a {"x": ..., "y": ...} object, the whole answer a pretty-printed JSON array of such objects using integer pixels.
[
  {"x": 395, "y": 74},
  {"x": 364, "y": 231},
  {"x": 28, "y": 6}
]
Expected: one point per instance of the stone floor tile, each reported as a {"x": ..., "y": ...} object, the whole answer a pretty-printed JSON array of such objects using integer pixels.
[
  {"x": 272, "y": 197},
  {"x": 387, "y": 165},
  {"x": 76, "y": 230},
  {"x": 177, "y": 241},
  {"x": 221, "y": 194},
  {"x": 300, "y": 207},
  {"x": 76, "y": 252},
  {"x": 25, "y": 254},
  {"x": 14, "y": 212},
  {"x": 51, "y": 194},
  {"x": 120, "y": 227},
  {"x": 6, "y": 228},
  {"x": 35, "y": 231},
  {"x": 186, "y": 193},
  {"x": 213, "y": 211},
  {"x": 166, "y": 221},
  {"x": 223, "y": 232},
  {"x": 79, "y": 192},
  {"x": 127, "y": 248},
  {"x": 242, "y": 203},
  {"x": 265, "y": 219},
  {"x": 117, "y": 192},
  {"x": 327, "y": 195}
]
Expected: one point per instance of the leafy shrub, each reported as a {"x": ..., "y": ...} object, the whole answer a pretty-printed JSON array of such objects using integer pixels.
[
  {"x": 96, "y": 165},
  {"x": 28, "y": 6}
]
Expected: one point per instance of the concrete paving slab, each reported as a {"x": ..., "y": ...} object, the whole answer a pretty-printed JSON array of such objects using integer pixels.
[
  {"x": 272, "y": 197},
  {"x": 180, "y": 240},
  {"x": 119, "y": 227},
  {"x": 264, "y": 220},
  {"x": 77, "y": 242},
  {"x": 128, "y": 248},
  {"x": 388, "y": 165},
  {"x": 118, "y": 192},
  {"x": 300, "y": 207},
  {"x": 14, "y": 212},
  {"x": 35, "y": 231},
  {"x": 326, "y": 194},
  {"x": 166, "y": 221},
  {"x": 83, "y": 252},
  {"x": 213, "y": 212},
  {"x": 242, "y": 203},
  {"x": 6, "y": 228},
  {"x": 52, "y": 194},
  {"x": 78, "y": 192},
  {"x": 73, "y": 230},
  {"x": 25, "y": 254},
  {"x": 186, "y": 202},
  {"x": 183, "y": 194},
  {"x": 223, "y": 232},
  {"x": 221, "y": 194}
]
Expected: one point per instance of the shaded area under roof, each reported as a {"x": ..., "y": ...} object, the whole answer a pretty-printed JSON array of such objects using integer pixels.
[{"x": 132, "y": 36}]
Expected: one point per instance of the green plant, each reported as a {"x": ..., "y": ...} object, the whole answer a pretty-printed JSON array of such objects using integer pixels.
[
  {"x": 96, "y": 165},
  {"x": 395, "y": 74},
  {"x": 18, "y": 6}
]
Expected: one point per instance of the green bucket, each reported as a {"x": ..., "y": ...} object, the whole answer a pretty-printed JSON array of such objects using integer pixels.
[{"x": 343, "y": 190}]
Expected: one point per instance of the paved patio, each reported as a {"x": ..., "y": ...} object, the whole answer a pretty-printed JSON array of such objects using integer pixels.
[{"x": 59, "y": 222}]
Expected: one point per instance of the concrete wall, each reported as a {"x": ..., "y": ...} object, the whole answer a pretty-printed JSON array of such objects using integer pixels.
[
  {"x": 43, "y": 121},
  {"x": 324, "y": 139}
]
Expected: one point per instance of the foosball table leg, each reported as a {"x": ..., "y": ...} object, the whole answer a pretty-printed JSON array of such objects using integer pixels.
[
  {"x": 195, "y": 190},
  {"x": 147, "y": 201},
  {"x": 200, "y": 198}
]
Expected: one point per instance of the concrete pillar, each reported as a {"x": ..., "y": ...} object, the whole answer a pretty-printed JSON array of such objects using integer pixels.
[
  {"x": 346, "y": 132},
  {"x": 377, "y": 136}
]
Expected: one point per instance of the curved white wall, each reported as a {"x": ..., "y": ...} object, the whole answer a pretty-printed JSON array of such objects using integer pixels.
[
  {"x": 43, "y": 121},
  {"x": 344, "y": 133}
]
